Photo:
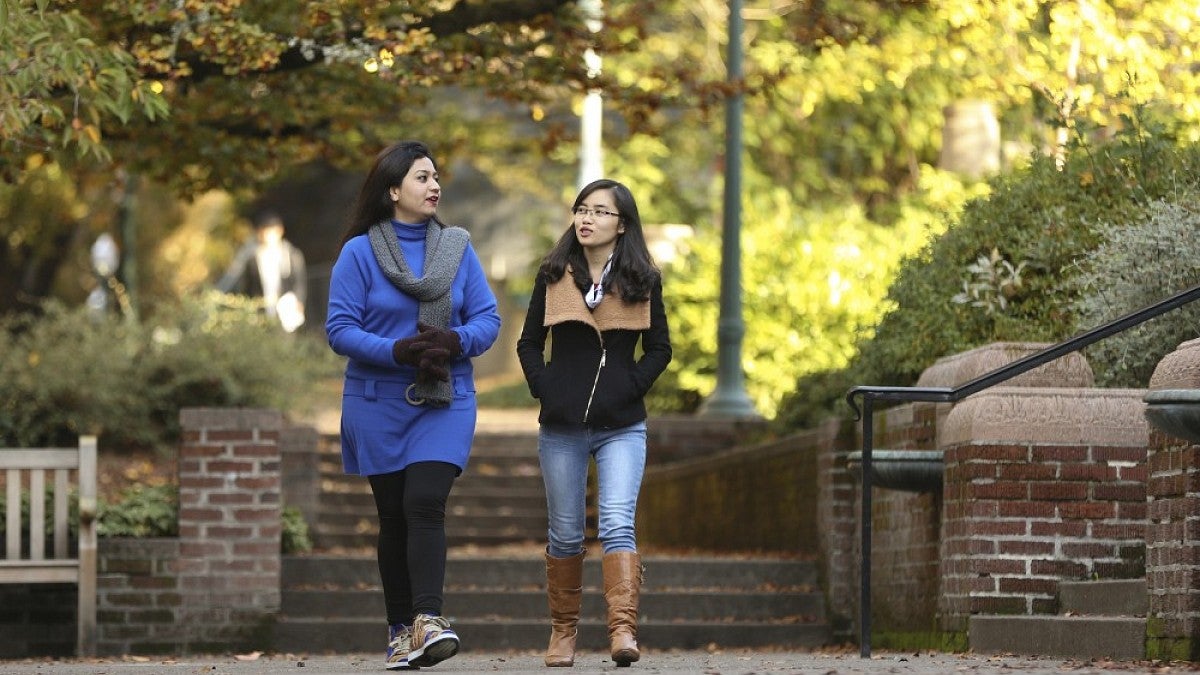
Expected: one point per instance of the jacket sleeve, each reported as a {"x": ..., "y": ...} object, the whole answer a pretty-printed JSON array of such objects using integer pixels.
[
  {"x": 479, "y": 314},
  {"x": 656, "y": 342},
  {"x": 531, "y": 346}
]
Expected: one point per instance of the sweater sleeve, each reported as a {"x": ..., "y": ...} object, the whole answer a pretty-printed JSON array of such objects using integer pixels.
[
  {"x": 349, "y": 286},
  {"x": 479, "y": 314},
  {"x": 531, "y": 346}
]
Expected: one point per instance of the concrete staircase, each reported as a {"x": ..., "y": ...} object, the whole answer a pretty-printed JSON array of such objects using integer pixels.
[
  {"x": 1096, "y": 619},
  {"x": 333, "y": 604},
  {"x": 495, "y": 576},
  {"x": 498, "y": 500}
]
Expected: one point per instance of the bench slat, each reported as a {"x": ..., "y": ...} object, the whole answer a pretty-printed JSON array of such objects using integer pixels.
[
  {"x": 37, "y": 514},
  {"x": 61, "y": 511},
  {"x": 12, "y": 523},
  {"x": 38, "y": 458},
  {"x": 61, "y": 572}
]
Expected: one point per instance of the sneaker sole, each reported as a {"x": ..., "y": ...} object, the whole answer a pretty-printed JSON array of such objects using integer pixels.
[{"x": 434, "y": 652}]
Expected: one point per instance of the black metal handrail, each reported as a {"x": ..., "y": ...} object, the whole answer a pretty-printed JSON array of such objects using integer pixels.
[{"x": 953, "y": 394}]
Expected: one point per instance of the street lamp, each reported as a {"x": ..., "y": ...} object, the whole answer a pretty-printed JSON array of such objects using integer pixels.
[
  {"x": 105, "y": 258},
  {"x": 730, "y": 398},
  {"x": 591, "y": 151}
]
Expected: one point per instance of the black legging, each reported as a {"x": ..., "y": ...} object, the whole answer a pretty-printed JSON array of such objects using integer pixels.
[{"x": 412, "y": 537}]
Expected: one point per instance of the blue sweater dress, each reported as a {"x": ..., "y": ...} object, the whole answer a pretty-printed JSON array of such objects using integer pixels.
[{"x": 381, "y": 431}]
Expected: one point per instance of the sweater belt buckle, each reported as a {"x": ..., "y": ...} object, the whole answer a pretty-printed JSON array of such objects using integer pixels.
[{"x": 408, "y": 395}]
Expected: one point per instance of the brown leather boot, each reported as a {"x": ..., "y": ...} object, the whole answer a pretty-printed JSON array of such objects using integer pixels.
[
  {"x": 622, "y": 583},
  {"x": 564, "y": 587}
]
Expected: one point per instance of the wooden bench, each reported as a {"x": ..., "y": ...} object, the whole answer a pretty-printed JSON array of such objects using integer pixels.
[{"x": 32, "y": 561}]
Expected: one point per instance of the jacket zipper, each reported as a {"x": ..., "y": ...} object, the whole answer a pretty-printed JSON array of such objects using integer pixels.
[{"x": 588, "y": 410}]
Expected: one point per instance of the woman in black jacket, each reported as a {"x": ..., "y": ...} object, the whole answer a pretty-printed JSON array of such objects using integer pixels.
[{"x": 597, "y": 293}]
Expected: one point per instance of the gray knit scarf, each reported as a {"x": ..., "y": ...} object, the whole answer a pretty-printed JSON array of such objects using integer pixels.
[{"x": 443, "y": 252}]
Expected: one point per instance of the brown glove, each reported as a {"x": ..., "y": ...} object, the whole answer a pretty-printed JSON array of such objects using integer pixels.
[
  {"x": 442, "y": 338},
  {"x": 407, "y": 351},
  {"x": 436, "y": 347}
]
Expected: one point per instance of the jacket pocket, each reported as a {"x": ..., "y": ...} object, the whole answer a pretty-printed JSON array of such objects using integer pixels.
[{"x": 616, "y": 395}]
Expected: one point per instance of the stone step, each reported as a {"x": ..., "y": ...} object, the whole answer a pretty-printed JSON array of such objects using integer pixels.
[
  {"x": 1105, "y": 597},
  {"x": 334, "y": 604},
  {"x": 1084, "y": 637},
  {"x": 501, "y": 495},
  {"x": 317, "y": 635},
  {"x": 531, "y": 604},
  {"x": 661, "y": 572},
  {"x": 326, "y": 539},
  {"x": 350, "y": 532},
  {"x": 338, "y": 483},
  {"x": 486, "y": 497},
  {"x": 532, "y": 513}
]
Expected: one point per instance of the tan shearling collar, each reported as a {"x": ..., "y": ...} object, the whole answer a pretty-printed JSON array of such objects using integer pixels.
[{"x": 565, "y": 303}]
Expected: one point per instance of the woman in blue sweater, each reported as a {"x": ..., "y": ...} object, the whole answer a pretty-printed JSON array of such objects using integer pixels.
[{"x": 409, "y": 306}]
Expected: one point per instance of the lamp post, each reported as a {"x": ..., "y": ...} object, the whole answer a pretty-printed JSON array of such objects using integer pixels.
[
  {"x": 591, "y": 151},
  {"x": 105, "y": 258},
  {"x": 730, "y": 398}
]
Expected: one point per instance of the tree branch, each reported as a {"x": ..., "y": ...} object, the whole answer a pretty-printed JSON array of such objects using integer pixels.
[{"x": 461, "y": 18}]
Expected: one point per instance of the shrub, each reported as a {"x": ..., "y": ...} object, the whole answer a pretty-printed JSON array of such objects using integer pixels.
[
  {"x": 294, "y": 538},
  {"x": 141, "y": 511},
  {"x": 65, "y": 372},
  {"x": 1117, "y": 280},
  {"x": 1040, "y": 220},
  {"x": 812, "y": 276}
]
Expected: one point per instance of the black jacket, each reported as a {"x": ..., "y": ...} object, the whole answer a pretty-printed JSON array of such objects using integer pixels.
[{"x": 592, "y": 378}]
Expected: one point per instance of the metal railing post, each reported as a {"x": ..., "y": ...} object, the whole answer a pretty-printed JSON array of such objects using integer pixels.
[{"x": 864, "y": 592}]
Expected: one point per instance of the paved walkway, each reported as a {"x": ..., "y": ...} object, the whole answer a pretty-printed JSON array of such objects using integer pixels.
[{"x": 692, "y": 662}]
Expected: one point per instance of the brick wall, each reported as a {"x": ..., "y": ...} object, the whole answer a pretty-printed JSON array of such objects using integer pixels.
[
  {"x": 837, "y": 520},
  {"x": 1173, "y": 535},
  {"x": 300, "y": 470},
  {"x": 671, "y": 438},
  {"x": 229, "y": 524},
  {"x": 753, "y": 498},
  {"x": 216, "y": 587},
  {"x": 138, "y": 595},
  {"x": 905, "y": 531},
  {"x": 1040, "y": 485},
  {"x": 1173, "y": 548}
]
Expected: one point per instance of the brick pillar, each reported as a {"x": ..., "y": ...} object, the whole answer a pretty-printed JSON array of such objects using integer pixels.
[
  {"x": 1173, "y": 535},
  {"x": 229, "y": 526},
  {"x": 1041, "y": 485},
  {"x": 301, "y": 470},
  {"x": 837, "y": 520}
]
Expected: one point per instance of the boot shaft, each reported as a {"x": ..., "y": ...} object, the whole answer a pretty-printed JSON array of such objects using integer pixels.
[
  {"x": 622, "y": 586},
  {"x": 564, "y": 586}
]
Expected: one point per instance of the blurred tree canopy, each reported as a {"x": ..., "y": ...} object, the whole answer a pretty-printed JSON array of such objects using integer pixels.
[
  {"x": 221, "y": 93},
  {"x": 845, "y": 111},
  {"x": 846, "y": 105}
]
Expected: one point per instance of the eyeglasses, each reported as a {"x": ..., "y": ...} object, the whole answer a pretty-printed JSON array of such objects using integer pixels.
[{"x": 595, "y": 213}]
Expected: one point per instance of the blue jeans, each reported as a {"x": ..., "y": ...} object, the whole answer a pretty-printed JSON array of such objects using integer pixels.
[{"x": 620, "y": 459}]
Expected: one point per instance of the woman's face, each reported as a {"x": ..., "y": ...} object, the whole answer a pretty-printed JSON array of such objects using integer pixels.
[
  {"x": 415, "y": 199},
  {"x": 597, "y": 224}
]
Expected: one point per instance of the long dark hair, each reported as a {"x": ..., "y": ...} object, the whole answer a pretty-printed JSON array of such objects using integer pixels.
[
  {"x": 633, "y": 270},
  {"x": 374, "y": 203}
]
